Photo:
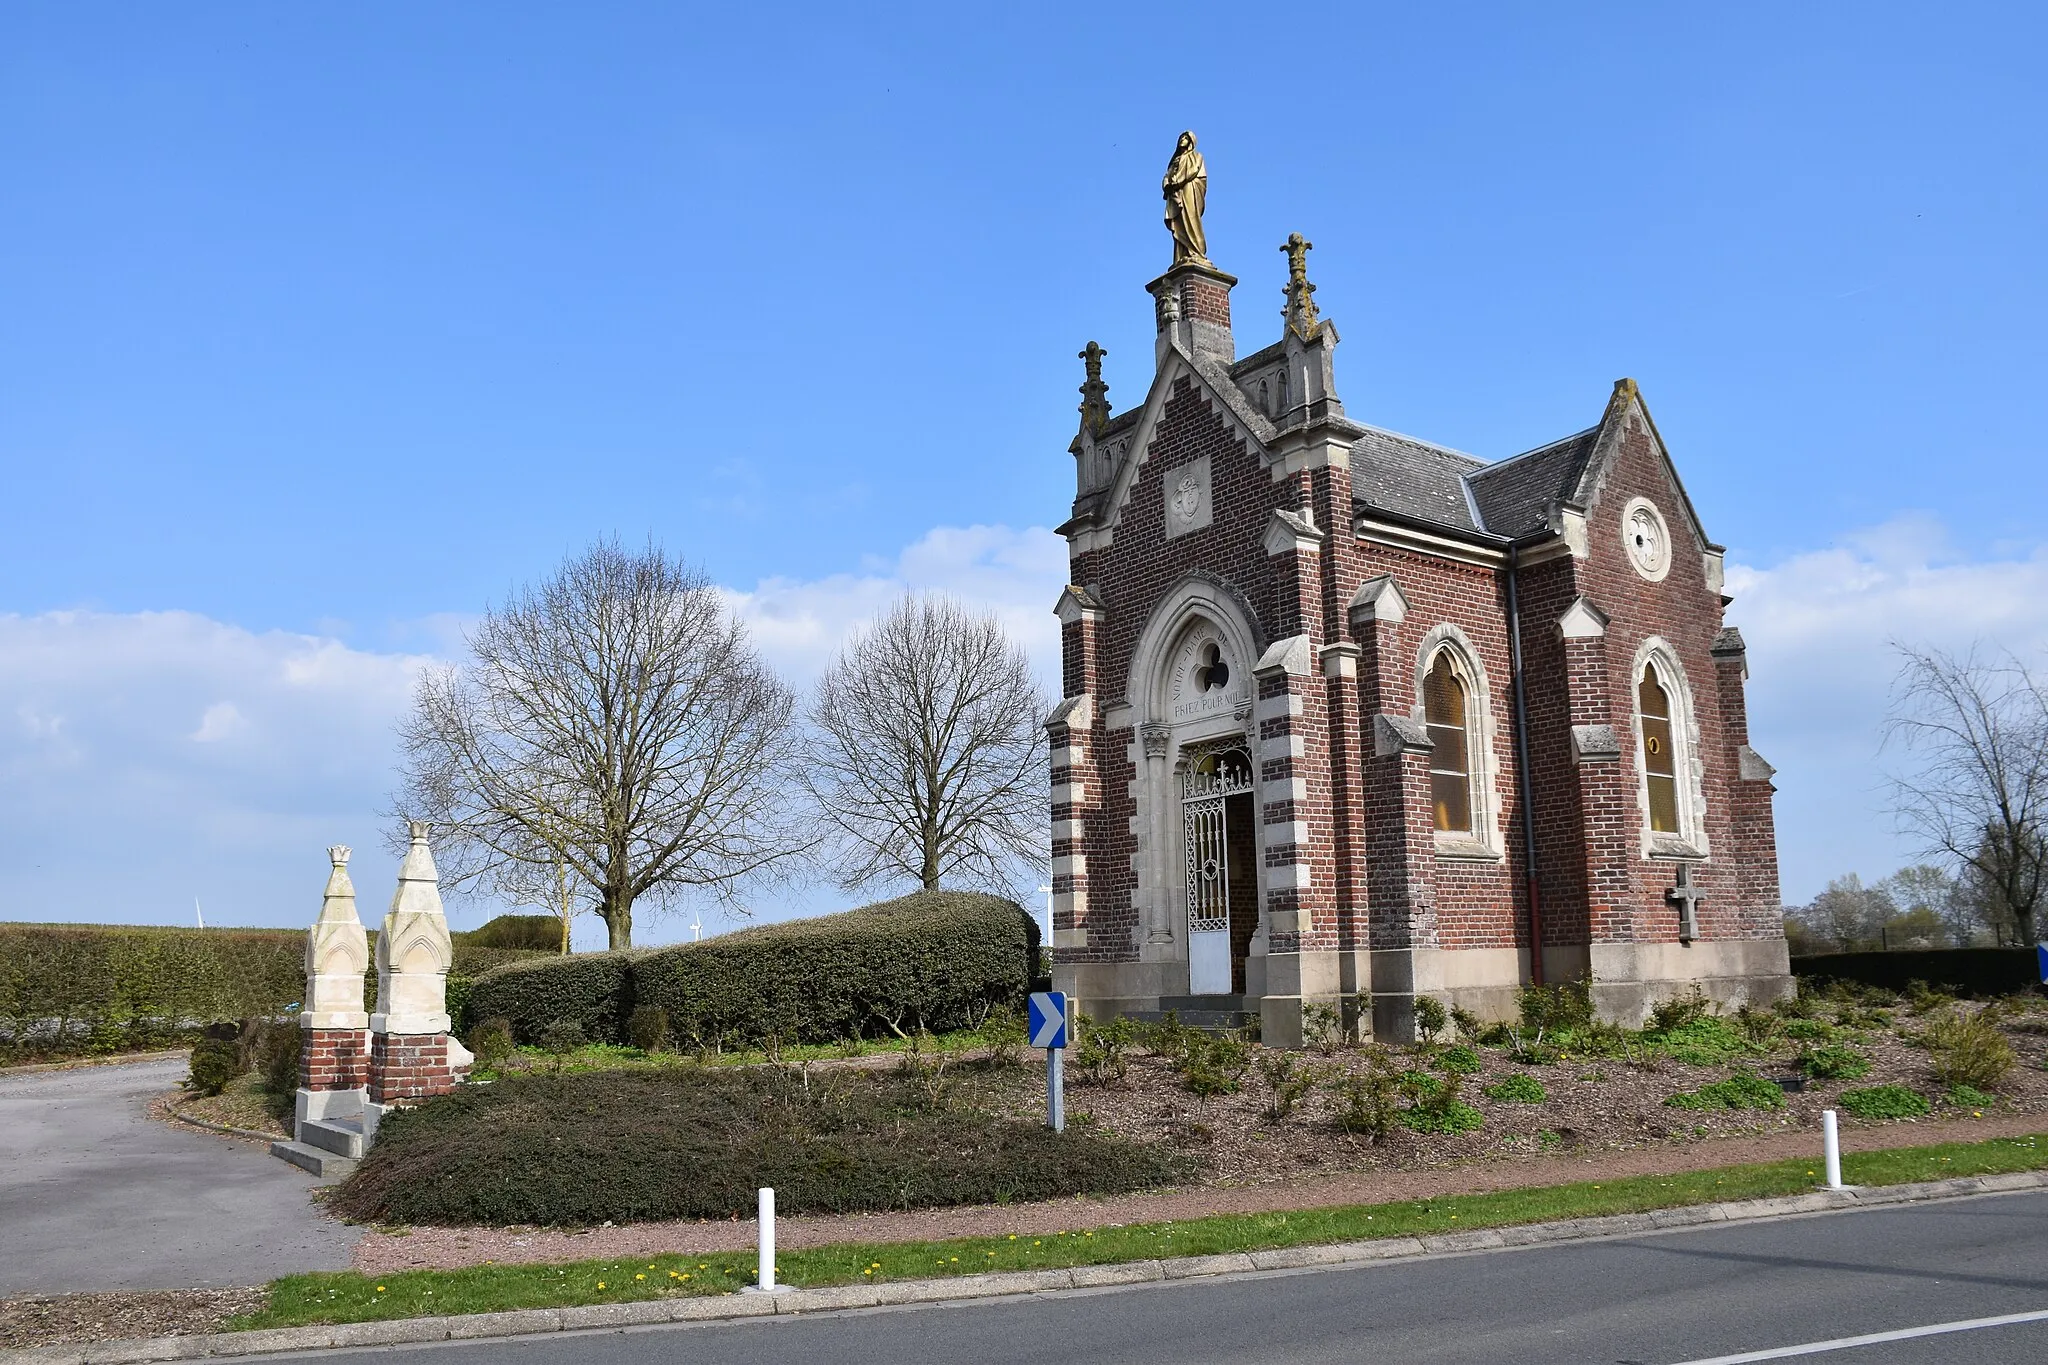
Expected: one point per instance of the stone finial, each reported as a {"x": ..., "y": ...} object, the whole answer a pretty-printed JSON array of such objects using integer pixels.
[
  {"x": 414, "y": 951},
  {"x": 1300, "y": 310},
  {"x": 1094, "y": 393},
  {"x": 337, "y": 953}
]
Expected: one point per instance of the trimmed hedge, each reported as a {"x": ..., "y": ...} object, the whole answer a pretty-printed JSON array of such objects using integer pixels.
[
  {"x": 67, "y": 989},
  {"x": 698, "y": 1142},
  {"x": 592, "y": 990},
  {"x": 1964, "y": 971},
  {"x": 940, "y": 959},
  {"x": 535, "y": 933}
]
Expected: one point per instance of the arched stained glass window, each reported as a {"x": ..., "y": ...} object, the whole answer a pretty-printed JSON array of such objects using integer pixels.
[
  {"x": 1660, "y": 759},
  {"x": 1447, "y": 713}
]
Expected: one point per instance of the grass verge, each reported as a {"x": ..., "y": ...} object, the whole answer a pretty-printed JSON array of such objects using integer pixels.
[{"x": 347, "y": 1296}]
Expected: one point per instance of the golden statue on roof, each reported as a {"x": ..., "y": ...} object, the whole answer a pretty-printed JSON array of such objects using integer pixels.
[{"x": 1186, "y": 187}]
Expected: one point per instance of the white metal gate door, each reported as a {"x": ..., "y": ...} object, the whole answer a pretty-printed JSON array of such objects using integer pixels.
[{"x": 1208, "y": 858}]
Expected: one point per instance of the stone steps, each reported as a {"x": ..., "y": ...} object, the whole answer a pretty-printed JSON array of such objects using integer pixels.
[
  {"x": 1200, "y": 1011},
  {"x": 319, "y": 1161},
  {"x": 341, "y": 1136}
]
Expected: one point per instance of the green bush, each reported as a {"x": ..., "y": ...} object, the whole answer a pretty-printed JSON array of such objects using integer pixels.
[
  {"x": 1968, "y": 1049},
  {"x": 1431, "y": 1018},
  {"x": 938, "y": 960},
  {"x": 277, "y": 1058},
  {"x": 1439, "y": 1110},
  {"x": 1368, "y": 1102},
  {"x": 1460, "y": 1059},
  {"x": 1211, "y": 1066},
  {"x": 1970, "y": 1097},
  {"x": 491, "y": 1044},
  {"x": 697, "y": 1142},
  {"x": 1737, "y": 1092},
  {"x": 1705, "y": 1040},
  {"x": 1885, "y": 1102},
  {"x": 1101, "y": 1051},
  {"x": 535, "y": 933},
  {"x": 1834, "y": 1062},
  {"x": 591, "y": 989},
  {"x": 1567, "y": 1004},
  {"x": 1519, "y": 1088},
  {"x": 648, "y": 1028},
  {"x": 1677, "y": 1012},
  {"x": 215, "y": 1062},
  {"x": 1809, "y": 1030},
  {"x": 562, "y": 1037}
]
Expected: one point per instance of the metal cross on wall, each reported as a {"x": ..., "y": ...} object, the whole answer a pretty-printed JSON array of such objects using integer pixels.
[{"x": 1687, "y": 898}]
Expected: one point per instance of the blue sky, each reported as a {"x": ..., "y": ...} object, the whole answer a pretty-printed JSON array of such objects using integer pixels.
[{"x": 323, "y": 329}]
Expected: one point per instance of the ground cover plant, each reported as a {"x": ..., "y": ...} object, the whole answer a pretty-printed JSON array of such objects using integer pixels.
[
  {"x": 697, "y": 1142},
  {"x": 348, "y": 1296}
]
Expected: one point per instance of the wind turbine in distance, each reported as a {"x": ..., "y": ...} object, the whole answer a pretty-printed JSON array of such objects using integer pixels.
[{"x": 197, "y": 911}]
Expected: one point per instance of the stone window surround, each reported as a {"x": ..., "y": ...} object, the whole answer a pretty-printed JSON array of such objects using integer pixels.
[
  {"x": 1690, "y": 843},
  {"x": 1484, "y": 843}
]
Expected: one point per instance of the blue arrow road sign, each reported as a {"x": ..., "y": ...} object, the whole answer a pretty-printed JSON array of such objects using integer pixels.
[
  {"x": 2040, "y": 953},
  {"x": 1048, "y": 1019}
]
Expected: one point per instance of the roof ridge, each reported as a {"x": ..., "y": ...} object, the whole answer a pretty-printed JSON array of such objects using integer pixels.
[
  {"x": 1425, "y": 444},
  {"x": 1505, "y": 461}
]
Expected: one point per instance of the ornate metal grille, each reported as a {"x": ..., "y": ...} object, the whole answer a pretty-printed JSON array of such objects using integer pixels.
[{"x": 1203, "y": 790}]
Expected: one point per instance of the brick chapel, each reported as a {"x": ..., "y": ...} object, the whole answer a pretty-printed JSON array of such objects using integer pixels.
[{"x": 1348, "y": 711}]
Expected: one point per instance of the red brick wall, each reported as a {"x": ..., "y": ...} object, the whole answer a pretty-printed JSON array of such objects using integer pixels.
[
  {"x": 405, "y": 1066},
  {"x": 333, "y": 1059}
]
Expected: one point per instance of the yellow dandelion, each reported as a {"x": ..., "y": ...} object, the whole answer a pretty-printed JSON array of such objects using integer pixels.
[
  {"x": 600, "y": 1284},
  {"x": 684, "y": 1276},
  {"x": 1013, "y": 1236},
  {"x": 639, "y": 1277},
  {"x": 867, "y": 1272},
  {"x": 380, "y": 1289}
]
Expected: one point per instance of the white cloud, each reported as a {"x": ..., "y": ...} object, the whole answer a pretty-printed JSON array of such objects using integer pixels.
[
  {"x": 1818, "y": 626},
  {"x": 799, "y": 626},
  {"x": 112, "y": 809}
]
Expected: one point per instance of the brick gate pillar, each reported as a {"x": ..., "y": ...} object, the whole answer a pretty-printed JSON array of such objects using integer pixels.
[
  {"x": 411, "y": 1054},
  {"x": 334, "y": 1045}
]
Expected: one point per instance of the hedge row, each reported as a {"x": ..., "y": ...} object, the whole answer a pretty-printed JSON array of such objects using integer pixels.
[
  {"x": 78, "y": 988},
  {"x": 936, "y": 959},
  {"x": 1965, "y": 971}
]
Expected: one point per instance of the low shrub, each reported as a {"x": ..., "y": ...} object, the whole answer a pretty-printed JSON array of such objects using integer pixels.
[
  {"x": 1809, "y": 1030},
  {"x": 1288, "y": 1079},
  {"x": 1460, "y": 1059},
  {"x": 1431, "y": 1018},
  {"x": 1567, "y": 1004},
  {"x": 1212, "y": 1066},
  {"x": 1519, "y": 1088},
  {"x": 697, "y": 1142},
  {"x": 1368, "y": 1102},
  {"x": 277, "y": 1058},
  {"x": 1705, "y": 1040},
  {"x": 1440, "y": 1110},
  {"x": 491, "y": 1044},
  {"x": 1467, "y": 1023},
  {"x": 215, "y": 1062},
  {"x": 1737, "y": 1092},
  {"x": 1968, "y": 1049},
  {"x": 1100, "y": 1054},
  {"x": 1833, "y": 1062},
  {"x": 648, "y": 1028},
  {"x": 1885, "y": 1102},
  {"x": 1005, "y": 1033},
  {"x": 562, "y": 1037},
  {"x": 1677, "y": 1012},
  {"x": 1969, "y": 1097}
]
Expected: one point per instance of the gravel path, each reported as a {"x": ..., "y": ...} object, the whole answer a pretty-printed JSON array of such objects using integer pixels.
[{"x": 454, "y": 1247}]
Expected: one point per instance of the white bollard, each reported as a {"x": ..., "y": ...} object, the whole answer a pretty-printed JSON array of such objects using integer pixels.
[
  {"x": 766, "y": 1268},
  {"x": 1831, "y": 1144}
]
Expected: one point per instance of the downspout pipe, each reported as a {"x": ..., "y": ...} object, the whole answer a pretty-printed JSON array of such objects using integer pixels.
[{"x": 1523, "y": 782}]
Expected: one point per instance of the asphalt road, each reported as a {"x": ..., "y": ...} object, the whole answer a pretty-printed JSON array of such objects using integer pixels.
[
  {"x": 96, "y": 1195},
  {"x": 1689, "y": 1296}
]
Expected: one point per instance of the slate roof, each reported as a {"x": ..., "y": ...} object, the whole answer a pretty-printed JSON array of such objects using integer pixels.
[
  {"x": 1514, "y": 496},
  {"x": 1413, "y": 479}
]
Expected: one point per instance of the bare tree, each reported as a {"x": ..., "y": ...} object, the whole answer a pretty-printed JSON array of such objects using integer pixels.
[
  {"x": 926, "y": 756},
  {"x": 1848, "y": 915},
  {"x": 1977, "y": 795},
  {"x": 613, "y": 721}
]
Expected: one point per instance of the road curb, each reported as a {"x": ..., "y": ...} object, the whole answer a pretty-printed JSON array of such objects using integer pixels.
[
  {"x": 172, "y": 1111},
  {"x": 600, "y": 1317}
]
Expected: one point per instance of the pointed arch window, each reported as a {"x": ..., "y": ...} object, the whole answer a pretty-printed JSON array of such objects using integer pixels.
[
  {"x": 1447, "y": 711},
  {"x": 1660, "y": 752}
]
